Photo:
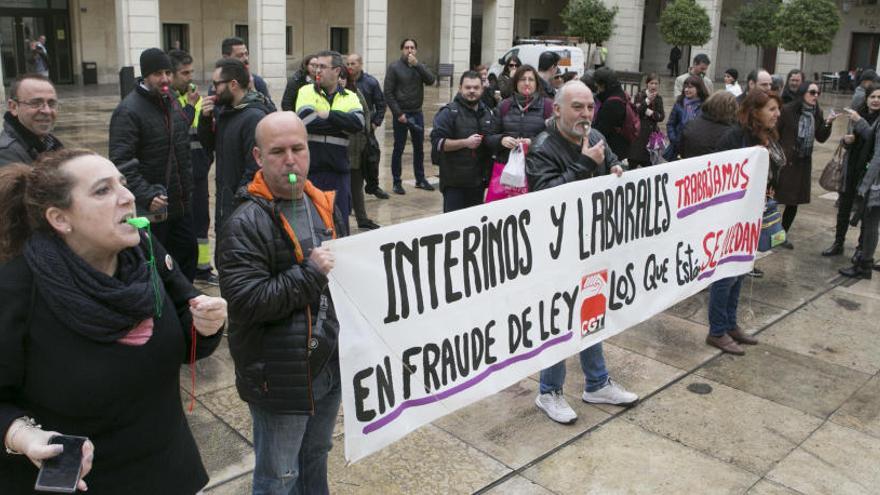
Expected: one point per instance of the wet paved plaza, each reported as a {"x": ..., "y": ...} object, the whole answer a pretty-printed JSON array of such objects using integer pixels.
[{"x": 799, "y": 413}]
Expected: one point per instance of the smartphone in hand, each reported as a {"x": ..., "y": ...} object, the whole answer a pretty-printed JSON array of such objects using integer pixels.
[{"x": 61, "y": 473}]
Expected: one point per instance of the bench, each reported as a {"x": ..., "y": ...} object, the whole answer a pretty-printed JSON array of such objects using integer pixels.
[{"x": 444, "y": 71}]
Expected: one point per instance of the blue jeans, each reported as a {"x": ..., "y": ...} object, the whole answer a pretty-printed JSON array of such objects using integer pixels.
[
  {"x": 459, "y": 198},
  {"x": 416, "y": 119},
  {"x": 723, "y": 300},
  {"x": 292, "y": 450},
  {"x": 593, "y": 364}
]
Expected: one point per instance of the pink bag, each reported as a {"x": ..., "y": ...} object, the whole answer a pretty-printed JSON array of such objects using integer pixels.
[{"x": 499, "y": 191}]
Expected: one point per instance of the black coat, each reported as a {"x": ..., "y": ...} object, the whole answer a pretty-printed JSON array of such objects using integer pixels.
[
  {"x": 296, "y": 81},
  {"x": 638, "y": 152},
  {"x": 795, "y": 178},
  {"x": 126, "y": 399},
  {"x": 268, "y": 293},
  {"x": 232, "y": 142},
  {"x": 611, "y": 118},
  {"x": 701, "y": 136},
  {"x": 404, "y": 86},
  {"x": 518, "y": 122},
  {"x": 463, "y": 167},
  {"x": 155, "y": 131},
  {"x": 553, "y": 160}
]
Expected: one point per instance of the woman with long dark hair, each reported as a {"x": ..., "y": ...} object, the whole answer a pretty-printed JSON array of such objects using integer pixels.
[
  {"x": 757, "y": 118},
  {"x": 95, "y": 322},
  {"x": 866, "y": 193},
  {"x": 649, "y": 104},
  {"x": 504, "y": 84},
  {"x": 686, "y": 108}
]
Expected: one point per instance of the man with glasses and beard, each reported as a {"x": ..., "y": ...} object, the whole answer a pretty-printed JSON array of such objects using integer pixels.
[
  {"x": 457, "y": 145},
  {"x": 28, "y": 122},
  {"x": 228, "y": 127},
  {"x": 149, "y": 126},
  {"x": 570, "y": 150}
]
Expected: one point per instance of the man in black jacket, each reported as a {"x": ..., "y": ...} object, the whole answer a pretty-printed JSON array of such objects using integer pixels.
[
  {"x": 150, "y": 127},
  {"x": 227, "y": 128},
  {"x": 375, "y": 98},
  {"x": 235, "y": 48},
  {"x": 28, "y": 124},
  {"x": 405, "y": 93},
  {"x": 282, "y": 324},
  {"x": 570, "y": 150},
  {"x": 457, "y": 144}
]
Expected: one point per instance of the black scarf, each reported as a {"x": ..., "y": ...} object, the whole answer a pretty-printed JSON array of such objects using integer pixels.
[
  {"x": 33, "y": 144},
  {"x": 93, "y": 304}
]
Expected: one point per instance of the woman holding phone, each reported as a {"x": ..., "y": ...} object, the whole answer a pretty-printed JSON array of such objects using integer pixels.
[
  {"x": 649, "y": 104},
  {"x": 95, "y": 322}
]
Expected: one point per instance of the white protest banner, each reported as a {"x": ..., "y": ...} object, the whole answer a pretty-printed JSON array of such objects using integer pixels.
[{"x": 438, "y": 313}]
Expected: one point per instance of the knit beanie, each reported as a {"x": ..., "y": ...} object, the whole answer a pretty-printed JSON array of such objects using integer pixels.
[{"x": 154, "y": 60}]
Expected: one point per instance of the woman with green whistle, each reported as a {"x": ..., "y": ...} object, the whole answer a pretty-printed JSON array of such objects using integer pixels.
[{"x": 95, "y": 323}]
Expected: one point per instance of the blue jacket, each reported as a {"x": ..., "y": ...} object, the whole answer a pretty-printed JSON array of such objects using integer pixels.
[
  {"x": 677, "y": 120},
  {"x": 369, "y": 87}
]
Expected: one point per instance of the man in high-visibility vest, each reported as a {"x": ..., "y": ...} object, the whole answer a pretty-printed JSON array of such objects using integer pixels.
[
  {"x": 191, "y": 102},
  {"x": 331, "y": 114}
]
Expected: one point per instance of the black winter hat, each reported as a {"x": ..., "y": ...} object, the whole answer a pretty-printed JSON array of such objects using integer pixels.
[
  {"x": 868, "y": 75},
  {"x": 154, "y": 60}
]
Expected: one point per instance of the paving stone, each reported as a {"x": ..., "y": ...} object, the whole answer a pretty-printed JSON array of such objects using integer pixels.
[
  {"x": 639, "y": 374},
  {"x": 427, "y": 461},
  {"x": 212, "y": 373},
  {"x": 242, "y": 485},
  {"x": 727, "y": 424},
  {"x": 833, "y": 328},
  {"x": 862, "y": 411},
  {"x": 865, "y": 288},
  {"x": 519, "y": 486},
  {"x": 509, "y": 427},
  {"x": 668, "y": 339},
  {"x": 624, "y": 458},
  {"x": 753, "y": 313},
  {"x": 224, "y": 452},
  {"x": 785, "y": 377},
  {"x": 835, "y": 460},
  {"x": 765, "y": 487},
  {"x": 227, "y": 405}
]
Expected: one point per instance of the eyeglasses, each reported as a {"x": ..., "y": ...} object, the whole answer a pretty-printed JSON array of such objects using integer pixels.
[
  {"x": 38, "y": 103},
  {"x": 514, "y": 66},
  {"x": 218, "y": 83},
  {"x": 813, "y": 92}
]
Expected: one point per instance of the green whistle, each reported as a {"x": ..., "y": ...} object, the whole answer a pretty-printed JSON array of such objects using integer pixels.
[
  {"x": 291, "y": 178},
  {"x": 138, "y": 222}
]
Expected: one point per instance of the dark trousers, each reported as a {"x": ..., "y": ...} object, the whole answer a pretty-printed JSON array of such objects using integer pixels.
[
  {"x": 788, "y": 216},
  {"x": 673, "y": 71},
  {"x": 201, "y": 165},
  {"x": 179, "y": 239},
  {"x": 415, "y": 127},
  {"x": 870, "y": 226},
  {"x": 341, "y": 183},
  {"x": 370, "y": 168},
  {"x": 459, "y": 198},
  {"x": 844, "y": 208},
  {"x": 357, "y": 195}
]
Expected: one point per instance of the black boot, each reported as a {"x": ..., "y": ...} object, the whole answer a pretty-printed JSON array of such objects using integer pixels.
[
  {"x": 836, "y": 249},
  {"x": 859, "y": 270},
  {"x": 857, "y": 255}
]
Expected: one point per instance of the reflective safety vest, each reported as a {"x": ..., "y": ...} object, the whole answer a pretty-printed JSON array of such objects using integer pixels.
[{"x": 329, "y": 138}]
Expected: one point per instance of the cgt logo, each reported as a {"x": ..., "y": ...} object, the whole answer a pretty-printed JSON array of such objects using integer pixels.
[{"x": 594, "y": 304}]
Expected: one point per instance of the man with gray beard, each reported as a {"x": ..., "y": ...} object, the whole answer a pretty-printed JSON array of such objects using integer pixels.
[{"x": 570, "y": 150}]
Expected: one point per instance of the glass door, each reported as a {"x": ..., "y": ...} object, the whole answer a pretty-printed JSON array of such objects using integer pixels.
[
  {"x": 8, "y": 56},
  {"x": 19, "y": 38}
]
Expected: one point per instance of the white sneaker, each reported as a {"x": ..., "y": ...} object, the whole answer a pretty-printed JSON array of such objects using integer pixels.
[
  {"x": 553, "y": 403},
  {"x": 611, "y": 393}
]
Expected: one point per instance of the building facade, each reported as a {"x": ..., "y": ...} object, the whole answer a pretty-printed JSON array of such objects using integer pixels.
[{"x": 89, "y": 40}]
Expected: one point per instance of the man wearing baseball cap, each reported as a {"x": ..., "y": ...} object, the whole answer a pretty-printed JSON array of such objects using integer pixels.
[{"x": 150, "y": 127}]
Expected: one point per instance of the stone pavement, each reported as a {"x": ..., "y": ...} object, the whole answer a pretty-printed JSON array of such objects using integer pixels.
[{"x": 799, "y": 413}]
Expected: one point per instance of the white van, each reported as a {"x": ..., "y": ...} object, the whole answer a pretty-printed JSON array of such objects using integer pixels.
[{"x": 528, "y": 51}]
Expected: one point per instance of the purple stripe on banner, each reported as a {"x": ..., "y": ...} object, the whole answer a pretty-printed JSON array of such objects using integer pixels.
[
  {"x": 379, "y": 423},
  {"x": 729, "y": 259},
  {"x": 725, "y": 198}
]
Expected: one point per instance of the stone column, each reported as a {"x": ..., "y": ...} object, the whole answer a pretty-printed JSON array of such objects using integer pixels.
[
  {"x": 787, "y": 60},
  {"x": 455, "y": 35},
  {"x": 371, "y": 35},
  {"x": 497, "y": 29},
  {"x": 713, "y": 8},
  {"x": 267, "y": 40},
  {"x": 624, "y": 47},
  {"x": 2, "y": 89},
  {"x": 137, "y": 28}
]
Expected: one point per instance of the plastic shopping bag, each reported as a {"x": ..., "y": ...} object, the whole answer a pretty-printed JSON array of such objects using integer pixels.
[{"x": 514, "y": 173}]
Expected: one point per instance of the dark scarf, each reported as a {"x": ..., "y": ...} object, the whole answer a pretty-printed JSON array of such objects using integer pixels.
[
  {"x": 33, "y": 144},
  {"x": 93, "y": 304}
]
